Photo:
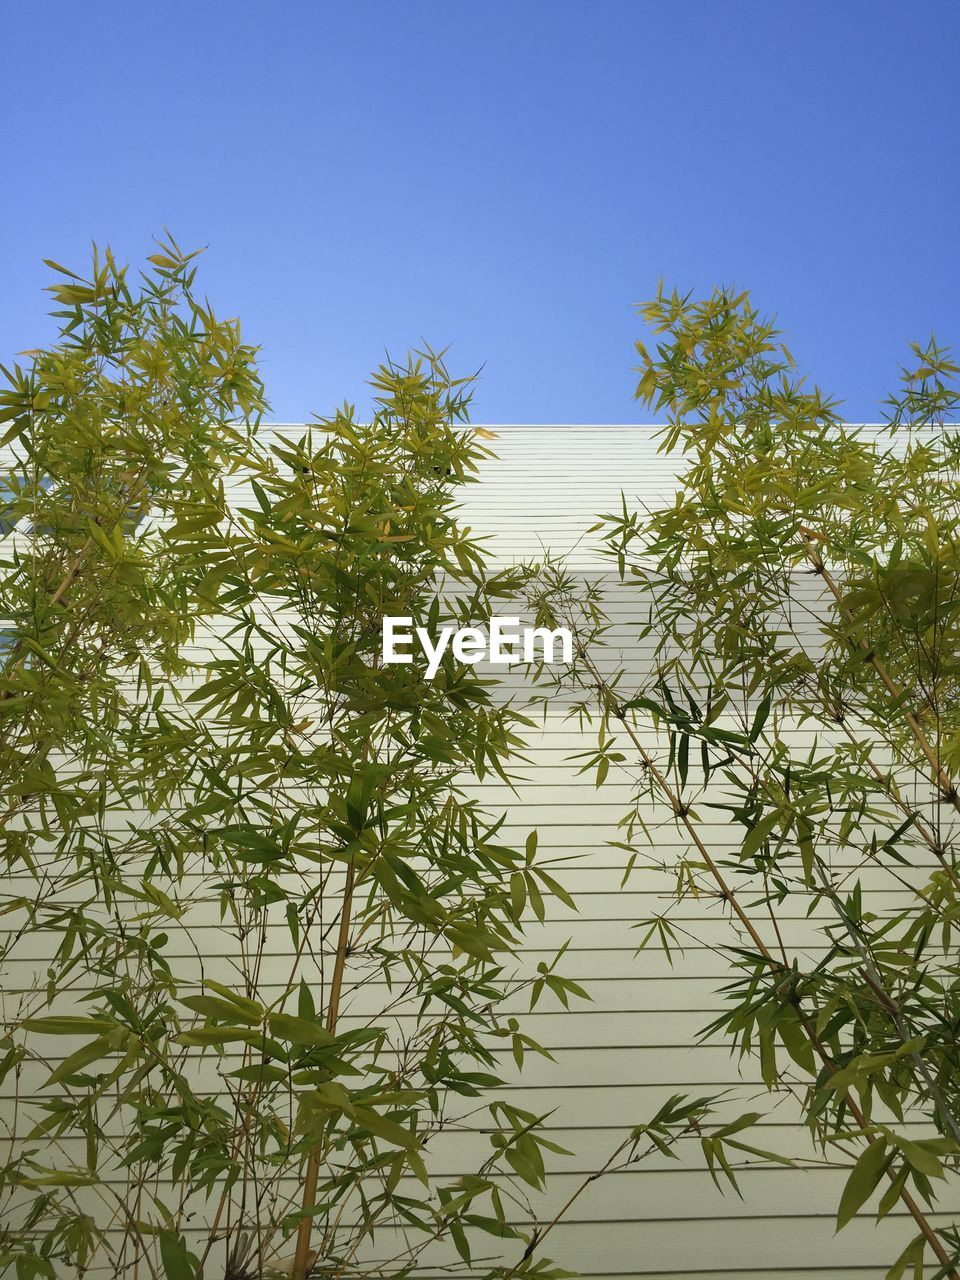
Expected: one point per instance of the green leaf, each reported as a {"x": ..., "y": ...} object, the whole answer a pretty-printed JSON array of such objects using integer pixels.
[
  {"x": 93, "y": 1052},
  {"x": 758, "y": 833},
  {"x": 805, "y": 840},
  {"x": 912, "y": 1256},
  {"x": 920, "y": 1159},
  {"x": 243, "y": 1003},
  {"x": 518, "y": 894},
  {"x": 286, "y": 1026},
  {"x": 460, "y": 1242},
  {"x": 416, "y": 1166},
  {"x": 556, "y": 888},
  {"x": 101, "y": 537},
  {"x": 223, "y": 1010},
  {"x": 381, "y": 1127},
  {"x": 67, "y": 1025},
  {"x": 760, "y": 719},
  {"x": 200, "y": 1037},
  {"x": 177, "y": 1262},
  {"x": 863, "y": 1180},
  {"x": 61, "y": 1178},
  {"x": 891, "y": 1196}
]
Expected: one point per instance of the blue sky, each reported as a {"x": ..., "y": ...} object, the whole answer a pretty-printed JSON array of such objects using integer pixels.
[{"x": 508, "y": 178}]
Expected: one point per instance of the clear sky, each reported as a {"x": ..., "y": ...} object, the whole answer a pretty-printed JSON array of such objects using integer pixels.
[{"x": 507, "y": 177}]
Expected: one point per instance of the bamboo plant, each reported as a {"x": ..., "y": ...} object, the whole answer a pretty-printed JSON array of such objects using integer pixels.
[
  {"x": 802, "y": 587},
  {"x": 263, "y": 942}
]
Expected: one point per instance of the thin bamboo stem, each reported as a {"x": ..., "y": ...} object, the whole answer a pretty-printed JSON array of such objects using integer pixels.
[
  {"x": 301, "y": 1258},
  {"x": 929, "y": 1233}
]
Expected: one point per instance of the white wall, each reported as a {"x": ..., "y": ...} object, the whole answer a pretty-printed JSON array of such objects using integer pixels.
[
  {"x": 618, "y": 1058},
  {"x": 634, "y": 1045}
]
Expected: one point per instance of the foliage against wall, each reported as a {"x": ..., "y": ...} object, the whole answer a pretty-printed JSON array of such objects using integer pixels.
[{"x": 806, "y": 576}]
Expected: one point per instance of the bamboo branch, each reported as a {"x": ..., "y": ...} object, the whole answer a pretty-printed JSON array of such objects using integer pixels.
[
  {"x": 302, "y": 1260},
  {"x": 68, "y": 580},
  {"x": 941, "y": 777},
  {"x": 540, "y": 1233},
  {"x": 609, "y": 696}
]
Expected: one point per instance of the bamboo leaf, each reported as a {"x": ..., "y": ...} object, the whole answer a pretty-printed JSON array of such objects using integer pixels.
[
  {"x": 759, "y": 833},
  {"x": 863, "y": 1180}
]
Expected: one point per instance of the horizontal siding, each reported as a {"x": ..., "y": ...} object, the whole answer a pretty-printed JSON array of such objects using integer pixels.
[{"x": 617, "y": 1058}]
